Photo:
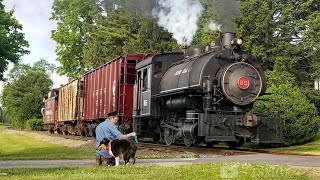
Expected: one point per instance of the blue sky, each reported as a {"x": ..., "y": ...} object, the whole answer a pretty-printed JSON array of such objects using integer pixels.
[{"x": 34, "y": 16}]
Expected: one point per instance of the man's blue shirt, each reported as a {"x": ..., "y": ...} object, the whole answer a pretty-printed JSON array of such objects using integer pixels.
[{"x": 107, "y": 130}]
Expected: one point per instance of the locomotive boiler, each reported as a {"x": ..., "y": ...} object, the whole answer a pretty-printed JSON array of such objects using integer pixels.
[{"x": 203, "y": 95}]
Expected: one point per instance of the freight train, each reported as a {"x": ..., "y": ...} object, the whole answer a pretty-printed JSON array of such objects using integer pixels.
[{"x": 204, "y": 94}]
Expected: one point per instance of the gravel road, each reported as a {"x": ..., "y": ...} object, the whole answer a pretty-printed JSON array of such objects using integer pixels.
[{"x": 291, "y": 160}]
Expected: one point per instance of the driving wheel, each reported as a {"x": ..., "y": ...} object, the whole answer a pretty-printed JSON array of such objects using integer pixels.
[
  {"x": 189, "y": 142},
  {"x": 168, "y": 136}
]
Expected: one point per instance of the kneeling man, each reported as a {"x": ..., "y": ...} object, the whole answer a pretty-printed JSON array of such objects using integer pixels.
[{"x": 109, "y": 130}]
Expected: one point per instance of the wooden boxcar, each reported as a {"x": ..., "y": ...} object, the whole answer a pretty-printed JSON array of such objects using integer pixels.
[{"x": 71, "y": 107}]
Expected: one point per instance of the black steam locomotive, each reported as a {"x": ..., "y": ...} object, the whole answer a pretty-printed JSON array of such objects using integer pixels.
[{"x": 203, "y": 95}]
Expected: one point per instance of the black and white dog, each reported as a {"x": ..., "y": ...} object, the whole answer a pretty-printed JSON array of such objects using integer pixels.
[{"x": 118, "y": 147}]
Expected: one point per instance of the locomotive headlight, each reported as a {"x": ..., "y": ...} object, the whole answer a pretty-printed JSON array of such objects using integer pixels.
[{"x": 239, "y": 41}]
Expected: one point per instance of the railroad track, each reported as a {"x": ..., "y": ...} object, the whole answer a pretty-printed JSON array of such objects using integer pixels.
[{"x": 178, "y": 148}]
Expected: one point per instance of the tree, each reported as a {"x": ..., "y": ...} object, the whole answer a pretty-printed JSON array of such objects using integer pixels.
[
  {"x": 142, "y": 6},
  {"x": 282, "y": 35},
  {"x": 276, "y": 32},
  {"x": 12, "y": 42},
  {"x": 24, "y": 91},
  {"x": 76, "y": 19},
  {"x": 288, "y": 103},
  {"x": 206, "y": 32},
  {"x": 125, "y": 31}
]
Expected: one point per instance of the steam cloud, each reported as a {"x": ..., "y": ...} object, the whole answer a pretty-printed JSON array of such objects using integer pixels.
[
  {"x": 227, "y": 11},
  {"x": 179, "y": 17},
  {"x": 214, "y": 26}
]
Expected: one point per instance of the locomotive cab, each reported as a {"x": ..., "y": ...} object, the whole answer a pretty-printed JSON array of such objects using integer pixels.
[{"x": 149, "y": 74}]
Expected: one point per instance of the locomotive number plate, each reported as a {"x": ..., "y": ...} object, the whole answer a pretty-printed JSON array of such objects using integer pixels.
[{"x": 244, "y": 83}]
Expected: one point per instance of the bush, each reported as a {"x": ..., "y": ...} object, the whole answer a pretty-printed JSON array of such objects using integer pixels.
[
  {"x": 34, "y": 124},
  {"x": 17, "y": 124},
  {"x": 288, "y": 103}
]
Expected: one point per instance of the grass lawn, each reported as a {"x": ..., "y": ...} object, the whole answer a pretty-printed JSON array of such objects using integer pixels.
[
  {"x": 21, "y": 147},
  {"x": 15, "y": 146},
  {"x": 196, "y": 171},
  {"x": 312, "y": 148}
]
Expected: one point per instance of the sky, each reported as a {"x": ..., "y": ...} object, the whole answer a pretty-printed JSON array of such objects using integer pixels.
[{"x": 34, "y": 16}]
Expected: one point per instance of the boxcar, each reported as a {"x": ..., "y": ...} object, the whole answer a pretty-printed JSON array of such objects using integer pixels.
[{"x": 110, "y": 88}]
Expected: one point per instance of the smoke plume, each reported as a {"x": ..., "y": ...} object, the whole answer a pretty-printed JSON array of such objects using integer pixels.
[
  {"x": 179, "y": 17},
  {"x": 227, "y": 11},
  {"x": 214, "y": 26}
]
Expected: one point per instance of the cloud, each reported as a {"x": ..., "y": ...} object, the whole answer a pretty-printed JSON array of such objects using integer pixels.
[{"x": 34, "y": 16}]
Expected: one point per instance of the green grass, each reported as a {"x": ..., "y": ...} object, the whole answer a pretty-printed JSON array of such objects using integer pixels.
[
  {"x": 196, "y": 171},
  {"x": 22, "y": 147},
  {"x": 3, "y": 127},
  {"x": 14, "y": 146},
  {"x": 312, "y": 148}
]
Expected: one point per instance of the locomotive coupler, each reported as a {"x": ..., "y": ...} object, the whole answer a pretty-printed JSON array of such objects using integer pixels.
[{"x": 250, "y": 120}]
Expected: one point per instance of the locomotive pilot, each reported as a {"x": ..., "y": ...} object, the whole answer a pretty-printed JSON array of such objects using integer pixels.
[{"x": 109, "y": 130}]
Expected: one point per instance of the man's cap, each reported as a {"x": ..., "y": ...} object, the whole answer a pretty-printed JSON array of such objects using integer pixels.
[{"x": 115, "y": 113}]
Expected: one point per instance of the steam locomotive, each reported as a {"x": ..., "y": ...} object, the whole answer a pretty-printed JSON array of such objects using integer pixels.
[{"x": 204, "y": 94}]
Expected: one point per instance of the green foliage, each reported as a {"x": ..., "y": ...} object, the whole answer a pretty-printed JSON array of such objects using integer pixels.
[
  {"x": 12, "y": 41},
  {"x": 144, "y": 6},
  {"x": 282, "y": 35},
  {"x": 34, "y": 124},
  {"x": 23, "y": 92},
  {"x": 276, "y": 78},
  {"x": 92, "y": 32},
  {"x": 75, "y": 20},
  {"x": 289, "y": 104},
  {"x": 124, "y": 31},
  {"x": 205, "y": 35}
]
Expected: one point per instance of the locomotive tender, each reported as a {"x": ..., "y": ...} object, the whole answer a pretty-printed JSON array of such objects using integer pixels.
[{"x": 206, "y": 96}]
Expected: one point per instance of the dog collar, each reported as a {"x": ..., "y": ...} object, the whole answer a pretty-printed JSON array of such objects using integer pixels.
[{"x": 108, "y": 149}]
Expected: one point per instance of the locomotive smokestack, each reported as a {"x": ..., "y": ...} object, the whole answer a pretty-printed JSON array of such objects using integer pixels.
[{"x": 226, "y": 39}]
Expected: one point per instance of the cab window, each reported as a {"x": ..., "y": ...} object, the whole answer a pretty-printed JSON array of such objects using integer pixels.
[{"x": 145, "y": 79}]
